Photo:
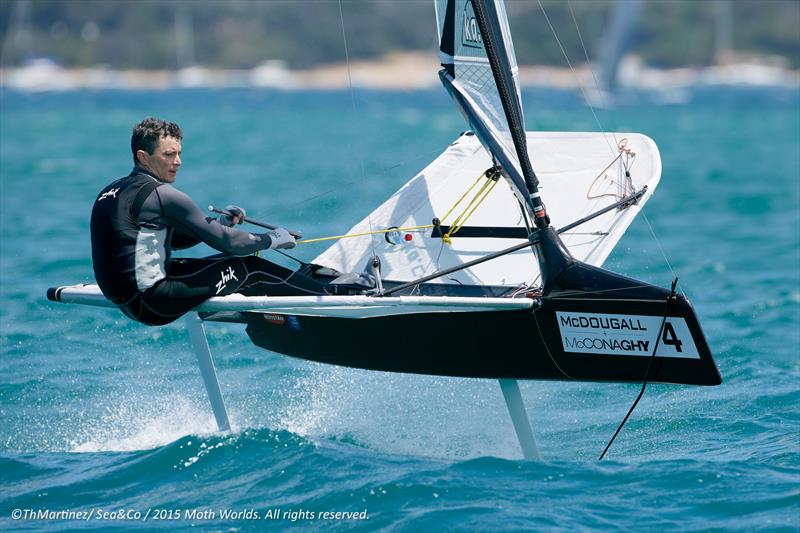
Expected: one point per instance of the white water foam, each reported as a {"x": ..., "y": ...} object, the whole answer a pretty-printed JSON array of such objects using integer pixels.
[
  {"x": 401, "y": 413},
  {"x": 143, "y": 425}
]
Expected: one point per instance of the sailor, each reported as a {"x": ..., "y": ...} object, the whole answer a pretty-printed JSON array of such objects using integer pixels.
[{"x": 138, "y": 220}]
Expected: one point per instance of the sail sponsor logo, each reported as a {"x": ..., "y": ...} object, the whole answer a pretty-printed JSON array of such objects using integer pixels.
[
  {"x": 471, "y": 34},
  {"x": 601, "y": 323},
  {"x": 607, "y": 334},
  {"x": 408, "y": 258},
  {"x": 627, "y": 345},
  {"x": 225, "y": 277}
]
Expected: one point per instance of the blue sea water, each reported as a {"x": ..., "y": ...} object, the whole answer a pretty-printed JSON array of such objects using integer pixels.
[{"x": 100, "y": 415}]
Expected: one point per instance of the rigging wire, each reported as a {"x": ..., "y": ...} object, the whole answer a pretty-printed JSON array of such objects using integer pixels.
[
  {"x": 286, "y": 207},
  {"x": 355, "y": 115},
  {"x": 569, "y": 64},
  {"x": 670, "y": 299},
  {"x": 625, "y": 157},
  {"x": 658, "y": 243},
  {"x": 597, "y": 88},
  {"x": 591, "y": 68},
  {"x": 547, "y": 349}
]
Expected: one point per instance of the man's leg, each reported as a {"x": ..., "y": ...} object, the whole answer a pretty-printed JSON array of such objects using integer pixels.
[
  {"x": 265, "y": 278},
  {"x": 190, "y": 282}
]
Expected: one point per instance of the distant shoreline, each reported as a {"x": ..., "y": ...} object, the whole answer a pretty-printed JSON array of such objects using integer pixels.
[{"x": 395, "y": 72}]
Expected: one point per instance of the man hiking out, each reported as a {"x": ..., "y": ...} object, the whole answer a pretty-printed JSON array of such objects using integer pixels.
[{"x": 138, "y": 220}]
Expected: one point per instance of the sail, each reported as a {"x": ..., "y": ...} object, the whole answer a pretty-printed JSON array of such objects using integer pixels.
[
  {"x": 581, "y": 175},
  {"x": 576, "y": 169},
  {"x": 481, "y": 74}
]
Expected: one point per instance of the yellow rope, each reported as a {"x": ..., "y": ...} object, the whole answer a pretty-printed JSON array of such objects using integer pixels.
[
  {"x": 474, "y": 203},
  {"x": 462, "y": 197},
  {"x": 376, "y": 232},
  {"x": 457, "y": 225}
]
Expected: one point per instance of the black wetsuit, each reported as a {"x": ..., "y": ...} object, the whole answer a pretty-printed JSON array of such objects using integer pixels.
[{"x": 136, "y": 223}]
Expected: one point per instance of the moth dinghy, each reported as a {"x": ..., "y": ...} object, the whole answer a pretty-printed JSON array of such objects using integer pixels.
[{"x": 484, "y": 281}]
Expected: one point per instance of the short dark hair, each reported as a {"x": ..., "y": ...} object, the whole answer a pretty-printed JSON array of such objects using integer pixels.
[{"x": 148, "y": 132}]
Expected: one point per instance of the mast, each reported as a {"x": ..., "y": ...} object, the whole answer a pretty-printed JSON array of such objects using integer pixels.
[
  {"x": 480, "y": 73},
  {"x": 489, "y": 23}
]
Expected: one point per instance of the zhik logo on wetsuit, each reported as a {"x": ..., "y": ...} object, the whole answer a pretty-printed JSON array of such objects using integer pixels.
[
  {"x": 596, "y": 333},
  {"x": 225, "y": 278},
  {"x": 109, "y": 194}
]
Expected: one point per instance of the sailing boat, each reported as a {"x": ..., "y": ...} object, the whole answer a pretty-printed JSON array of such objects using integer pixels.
[{"x": 473, "y": 275}]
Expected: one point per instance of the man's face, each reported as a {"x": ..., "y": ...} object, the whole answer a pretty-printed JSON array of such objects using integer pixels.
[{"x": 165, "y": 160}]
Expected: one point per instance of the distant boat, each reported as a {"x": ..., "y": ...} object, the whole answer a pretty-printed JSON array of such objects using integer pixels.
[
  {"x": 473, "y": 277},
  {"x": 617, "y": 41}
]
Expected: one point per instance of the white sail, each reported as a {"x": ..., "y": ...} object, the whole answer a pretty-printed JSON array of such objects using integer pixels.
[{"x": 572, "y": 169}]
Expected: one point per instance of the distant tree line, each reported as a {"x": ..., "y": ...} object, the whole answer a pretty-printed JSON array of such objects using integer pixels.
[{"x": 165, "y": 34}]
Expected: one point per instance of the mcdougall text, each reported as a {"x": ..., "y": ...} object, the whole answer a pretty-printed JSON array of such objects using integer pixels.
[{"x": 602, "y": 323}]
